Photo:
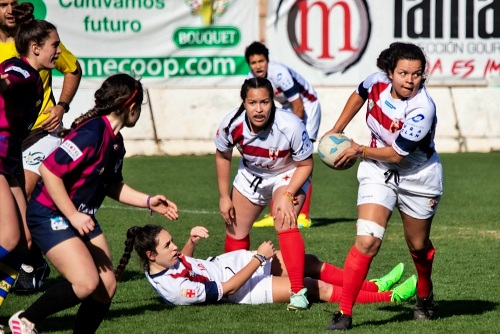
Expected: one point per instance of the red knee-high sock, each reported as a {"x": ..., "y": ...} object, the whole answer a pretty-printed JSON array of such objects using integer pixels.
[
  {"x": 336, "y": 294},
  {"x": 307, "y": 202},
  {"x": 332, "y": 274},
  {"x": 423, "y": 263},
  {"x": 364, "y": 297},
  {"x": 236, "y": 244},
  {"x": 356, "y": 268},
  {"x": 293, "y": 250},
  {"x": 369, "y": 286},
  {"x": 335, "y": 276}
]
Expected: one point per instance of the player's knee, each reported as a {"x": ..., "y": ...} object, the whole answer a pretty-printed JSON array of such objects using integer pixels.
[
  {"x": 105, "y": 295},
  {"x": 369, "y": 228},
  {"x": 110, "y": 285},
  {"x": 86, "y": 286}
]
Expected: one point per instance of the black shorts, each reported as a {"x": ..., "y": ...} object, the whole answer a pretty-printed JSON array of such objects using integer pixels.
[{"x": 49, "y": 228}]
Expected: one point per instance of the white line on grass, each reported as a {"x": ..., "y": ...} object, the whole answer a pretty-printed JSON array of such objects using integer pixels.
[{"x": 201, "y": 212}]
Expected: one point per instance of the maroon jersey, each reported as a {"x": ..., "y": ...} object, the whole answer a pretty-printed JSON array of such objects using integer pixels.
[
  {"x": 89, "y": 161},
  {"x": 19, "y": 107}
]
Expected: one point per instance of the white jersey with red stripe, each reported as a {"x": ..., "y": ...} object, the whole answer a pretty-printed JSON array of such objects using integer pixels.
[
  {"x": 288, "y": 85},
  {"x": 195, "y": 281},
  {"x": 190, "y": 281},
  {"x": 270, "y": 152},
  {"x": 407, "y": 125}
]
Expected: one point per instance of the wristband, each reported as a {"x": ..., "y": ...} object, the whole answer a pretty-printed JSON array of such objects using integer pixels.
[
  {"x": 292, "y": 197},
  {"x": 148, "y": 202},
  {"x": 64, "y": 105},
  {"x": 260, "y": 257},
  {"x": 361, "y": 150}
]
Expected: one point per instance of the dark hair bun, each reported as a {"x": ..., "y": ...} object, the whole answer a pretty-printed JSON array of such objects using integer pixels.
[{"x": 24, "y": 13}]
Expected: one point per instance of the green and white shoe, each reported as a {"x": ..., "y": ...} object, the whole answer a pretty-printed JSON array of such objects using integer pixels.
[
  {"x": 386, "y": 282},
  {"x": 298, "y": 301},
  {"x": 405, "y": 290}
]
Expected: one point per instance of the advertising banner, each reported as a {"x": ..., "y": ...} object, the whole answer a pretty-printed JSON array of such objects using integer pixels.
[
  {"x": 165, "y": 42},
  {"x": 337, "y": 42}
]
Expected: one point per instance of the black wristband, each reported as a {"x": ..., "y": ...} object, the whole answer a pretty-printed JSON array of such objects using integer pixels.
[
  {"x": 260, "y": 257},
  {"x": 64, "y": 105}
]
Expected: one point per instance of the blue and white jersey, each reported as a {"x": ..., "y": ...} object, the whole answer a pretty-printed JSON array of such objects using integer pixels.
[
  {"x": 407, "y": 125},
  {"x": 271, "y": 151}
]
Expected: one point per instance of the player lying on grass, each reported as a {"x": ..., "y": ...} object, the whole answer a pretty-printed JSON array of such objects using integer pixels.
[{"x": 242, "y": 277}]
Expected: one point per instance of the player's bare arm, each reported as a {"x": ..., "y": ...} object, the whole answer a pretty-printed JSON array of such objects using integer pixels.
[
  {"x": 298, "y": 108},
  {"x": 158, "y": 203},
  {"x": 234, "y": 283},
  {"x": 57, "y": 191},
  {"x": 284, "y": 209},
  {"x": 223, "y": 166},
  {"x": 69, "y": 88},
  {"x": 351, "y": 108},
  {"x": 196, "y": 234}
]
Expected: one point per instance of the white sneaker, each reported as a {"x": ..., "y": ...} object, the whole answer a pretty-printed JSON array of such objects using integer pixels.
[
  {"x": 21, "y": 325},
  {"x": 298, "y": 301}
]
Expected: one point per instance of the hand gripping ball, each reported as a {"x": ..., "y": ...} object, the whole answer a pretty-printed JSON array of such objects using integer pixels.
[{"x": 330, "y": 146}]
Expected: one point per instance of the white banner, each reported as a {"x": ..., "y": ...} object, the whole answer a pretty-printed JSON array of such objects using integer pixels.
[
  {"x": 337, "y": 42},
  {"x": 166, "y": 42}
]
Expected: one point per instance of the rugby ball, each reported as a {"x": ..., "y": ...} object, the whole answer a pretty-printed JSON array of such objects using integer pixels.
[{"x": 330, "y": 146}]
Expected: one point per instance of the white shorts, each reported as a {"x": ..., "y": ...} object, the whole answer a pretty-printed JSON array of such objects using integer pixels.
[
  {"x": 36, "y": 153},
  {"x": 312, "y": 118},
  {"x": 258, "y": 289},
  {"x": 260, "y": 190},
  {"x": 416, "y": 194}
]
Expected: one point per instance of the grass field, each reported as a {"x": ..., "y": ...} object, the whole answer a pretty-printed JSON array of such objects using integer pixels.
[{"x": 466, "y": 234}]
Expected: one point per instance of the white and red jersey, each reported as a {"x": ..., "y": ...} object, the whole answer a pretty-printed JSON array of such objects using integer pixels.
[
  {"x": 195, "y": 281},
  {"x": 270, "y": 152},
  {"x": 190, "y": 281},
  {"x": 407, "y": 125},
  {"x": 288, "y": 85}
]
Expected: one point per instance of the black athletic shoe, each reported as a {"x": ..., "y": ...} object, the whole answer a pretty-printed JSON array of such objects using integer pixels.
[
  {"x": 340, "y": 322},
  {"x": 31, "y": 279},
  {"x": 424, "y": 308}
]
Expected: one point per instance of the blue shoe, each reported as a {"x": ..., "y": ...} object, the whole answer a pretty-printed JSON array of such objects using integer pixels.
[
  {"x": 386, "y": 282},
  {"x": 298, "y": 301}
]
